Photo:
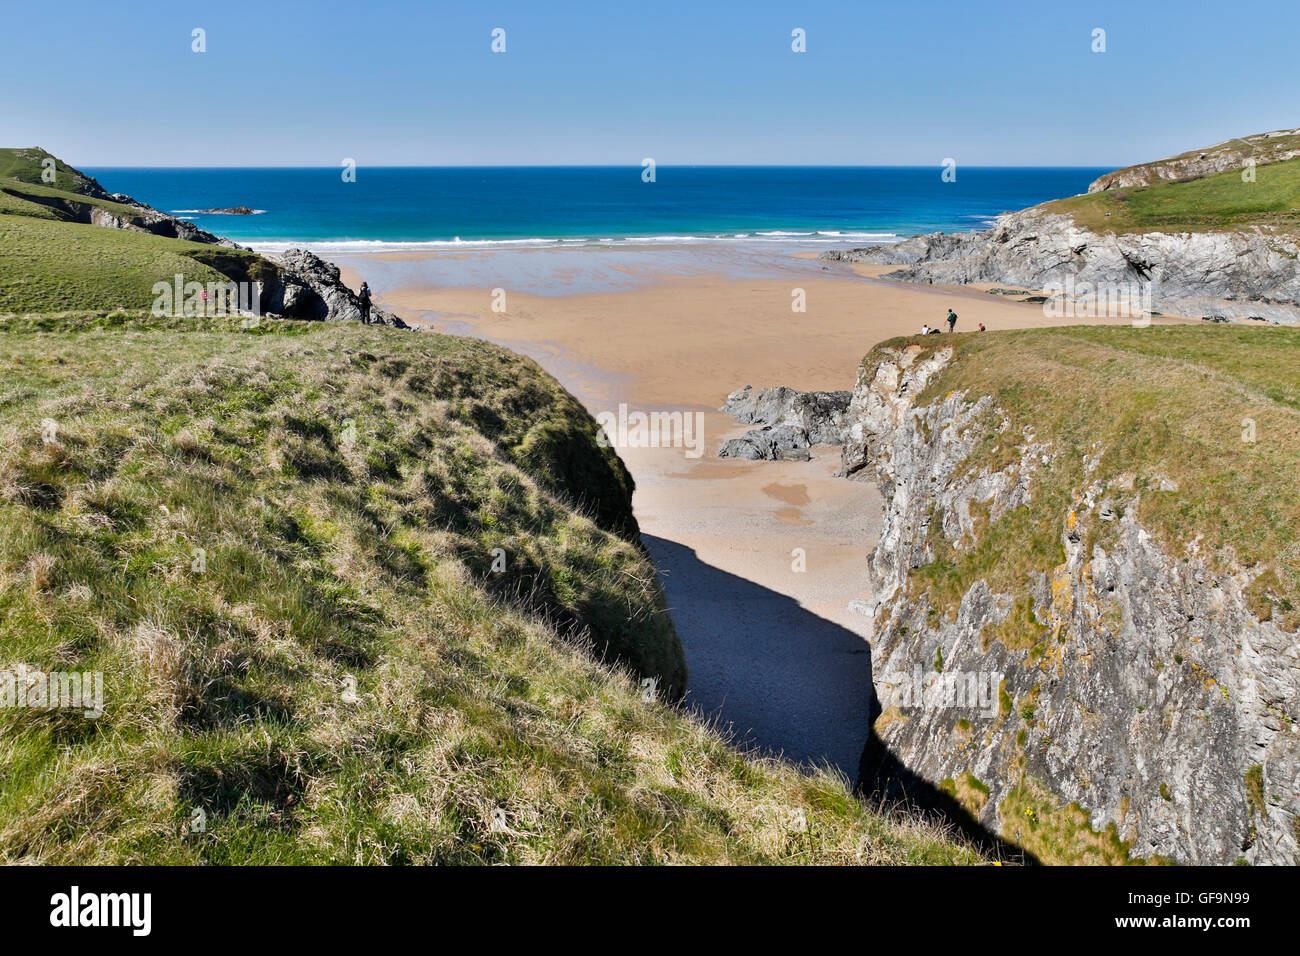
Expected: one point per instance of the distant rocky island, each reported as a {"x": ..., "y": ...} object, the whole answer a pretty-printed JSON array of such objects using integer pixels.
[{"x": 231, "y": 211}]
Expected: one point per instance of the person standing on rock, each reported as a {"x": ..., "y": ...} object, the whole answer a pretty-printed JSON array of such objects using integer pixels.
[
  {"x": 952, "y": 320},
  {"x": 364, "y": 295}
]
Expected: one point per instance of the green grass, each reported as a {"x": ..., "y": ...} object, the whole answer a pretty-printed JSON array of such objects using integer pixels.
[
  {"x": 1061, "y": 834},
  {"x": 28, "y": 165},
  {"x": 1219, "y": 202},
  {"x": 26, "y": 189},
  {"x": 52, "y": 260},
  {"x": 50, "y": 266},
  {"x": 55, "y": 200},
  {"x": 277, "y": 545}
]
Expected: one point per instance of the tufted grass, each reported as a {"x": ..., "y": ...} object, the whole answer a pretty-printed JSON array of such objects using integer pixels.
[{"x": 277, "y": 543}]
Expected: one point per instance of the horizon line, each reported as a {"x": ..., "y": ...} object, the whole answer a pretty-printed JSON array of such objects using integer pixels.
[{"x": 633, "y": 166}]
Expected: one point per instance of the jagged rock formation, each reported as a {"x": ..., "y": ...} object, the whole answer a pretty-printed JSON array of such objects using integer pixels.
[
  {"x": 142, "y": 218},
  {"x": 769, "y": 443},
  {"x": 311, "y": 288},
  {"x": 1141, "y": 704},
  {"x": 148, "y": 219},
  {"x": 792, "y": 422},
  {"x": 1237, "y": 274}
]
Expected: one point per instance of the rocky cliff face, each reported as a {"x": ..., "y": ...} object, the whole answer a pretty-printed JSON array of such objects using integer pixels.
[
  {"x": 1236, "y": 274},
  {"x": 150, "y": 220},
  {"x": 1127, "y": 702}
]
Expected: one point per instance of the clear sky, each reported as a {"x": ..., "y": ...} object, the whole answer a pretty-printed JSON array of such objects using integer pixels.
[{"x": 1004, "y": 82}]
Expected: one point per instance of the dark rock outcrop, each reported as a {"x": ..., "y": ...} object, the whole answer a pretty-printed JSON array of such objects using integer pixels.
[
  {"x": 1237, "y": 274},
  {"x": 792, "y": 421},
  {"x": 311, "y": 288},
  {"x": 769, "y": 443},
  {"x": 150, "y": 220}
]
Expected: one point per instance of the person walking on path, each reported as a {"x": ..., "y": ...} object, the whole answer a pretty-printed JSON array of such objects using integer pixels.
[
  {"x": 952, "y": 320},
  {"x": 364, "y": 295}
]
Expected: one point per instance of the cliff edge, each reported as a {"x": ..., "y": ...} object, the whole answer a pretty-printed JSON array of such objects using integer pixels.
[{"x": 1087, "y": 617}]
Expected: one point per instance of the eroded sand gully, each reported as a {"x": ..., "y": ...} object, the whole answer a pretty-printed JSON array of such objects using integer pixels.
[{"x": 774, "y": 652}]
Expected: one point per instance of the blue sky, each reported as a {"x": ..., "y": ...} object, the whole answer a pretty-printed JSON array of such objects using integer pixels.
[{"x": 1003, "y": 82}]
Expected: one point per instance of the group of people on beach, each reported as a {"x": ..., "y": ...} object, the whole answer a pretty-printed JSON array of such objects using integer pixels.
[{"x": 952, "y": 325}]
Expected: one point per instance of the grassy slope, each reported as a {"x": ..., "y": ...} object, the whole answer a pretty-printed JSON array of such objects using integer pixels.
[
  {"x": 1219, "y": 202},
  {"x": 50, "y": 262},
  {"x": 51, "y": 266},
  {"x": 28, "y": 166},
  {"x": 346, "y": 486},
  {"x": 1260, "y": 147}
]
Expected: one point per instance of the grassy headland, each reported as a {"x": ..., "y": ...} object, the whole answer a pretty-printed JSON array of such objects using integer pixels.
[
  {"x": 1186, "y": 437},
  {"x": 1219, "y": 202},
  {"x": 1250, "y": 183},
  {"x": 53, "y": 260},
  {"x": 278, "y": 545}
]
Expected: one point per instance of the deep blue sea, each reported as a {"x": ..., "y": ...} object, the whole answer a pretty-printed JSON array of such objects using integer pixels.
[{"x": 429, "y": 207}]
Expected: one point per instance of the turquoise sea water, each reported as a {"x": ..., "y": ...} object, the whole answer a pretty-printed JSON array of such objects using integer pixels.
[{"x": 485, "y": 207}]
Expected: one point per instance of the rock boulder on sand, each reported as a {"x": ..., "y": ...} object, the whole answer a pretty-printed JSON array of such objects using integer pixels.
[
  {"x": 792, "y": 421},
  {"x": 769, "y": 443}
]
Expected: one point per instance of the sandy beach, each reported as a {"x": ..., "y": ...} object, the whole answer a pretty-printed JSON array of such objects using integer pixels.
[{"x": 774, "y": 650}]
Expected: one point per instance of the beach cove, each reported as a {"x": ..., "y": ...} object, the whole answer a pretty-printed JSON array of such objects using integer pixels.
[{"x": 760, "y": 560}]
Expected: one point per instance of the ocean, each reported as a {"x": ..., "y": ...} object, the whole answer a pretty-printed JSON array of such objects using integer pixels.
[{"x": 483, "y": 207}]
